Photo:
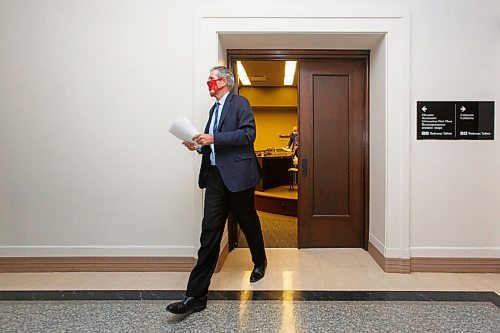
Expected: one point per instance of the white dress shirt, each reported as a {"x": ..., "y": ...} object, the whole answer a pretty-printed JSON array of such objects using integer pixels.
[{"x": 211, "y": 127}]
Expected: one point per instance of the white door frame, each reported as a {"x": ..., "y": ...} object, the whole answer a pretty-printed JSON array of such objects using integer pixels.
[{"x": 390, "y": 105}]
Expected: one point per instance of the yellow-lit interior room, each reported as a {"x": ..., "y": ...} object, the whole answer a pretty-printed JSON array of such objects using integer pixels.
[{"x": 271, "y": 89}]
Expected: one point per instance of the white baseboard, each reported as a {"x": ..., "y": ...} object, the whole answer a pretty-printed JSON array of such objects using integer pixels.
[
  {"x": 437, "y": 252},
  {"x": 378, "y": 244},
  {"x": 397, "y": 253},
  {"x": 62, "y": 251},
  {"x": 455, "y": 252},
  {"x": 389, "y": 252}
]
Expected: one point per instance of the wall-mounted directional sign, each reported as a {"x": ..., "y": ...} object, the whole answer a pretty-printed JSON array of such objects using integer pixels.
[{"x": 455, "y": 120}]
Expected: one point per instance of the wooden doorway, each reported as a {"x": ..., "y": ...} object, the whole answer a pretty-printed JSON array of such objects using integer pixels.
[
  {"x": 333, "y": 159},
  {"x": 332, "y": 187}
]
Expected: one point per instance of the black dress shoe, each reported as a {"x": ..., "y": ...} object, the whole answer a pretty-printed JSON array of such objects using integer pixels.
[
  {"x": 188, "y": 305},
  {"x": 258, "y": 272}
]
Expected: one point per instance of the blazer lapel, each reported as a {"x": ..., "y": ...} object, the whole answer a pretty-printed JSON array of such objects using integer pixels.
[
  {"x": 225, "y": 109},
  {"x": 211, "y": 113}
]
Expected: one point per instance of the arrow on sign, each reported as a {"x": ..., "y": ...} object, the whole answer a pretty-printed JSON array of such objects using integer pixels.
[
  {"x": 424, "y": 108},
  {"x": 463, "y": 108}
]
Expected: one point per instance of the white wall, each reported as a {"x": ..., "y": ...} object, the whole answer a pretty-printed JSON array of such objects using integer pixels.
[
  {"x": 88, "y": 88},
  {"x": 455, "y": 184}
]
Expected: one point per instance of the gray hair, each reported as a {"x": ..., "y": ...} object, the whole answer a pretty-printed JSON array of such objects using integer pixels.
[{"x": 224, "y": 72}]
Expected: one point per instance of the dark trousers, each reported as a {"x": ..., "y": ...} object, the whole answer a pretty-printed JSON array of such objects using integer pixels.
[{"x": 218, "y": 202}]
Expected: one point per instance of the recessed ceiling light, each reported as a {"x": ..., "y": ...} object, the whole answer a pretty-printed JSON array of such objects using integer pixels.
[
  {"x": 289, "y": 72},
  {"x": 242, "y": 74}
]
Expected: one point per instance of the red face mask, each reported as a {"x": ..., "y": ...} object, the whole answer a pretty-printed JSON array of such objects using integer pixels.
[{"x": 212, "y": 86}]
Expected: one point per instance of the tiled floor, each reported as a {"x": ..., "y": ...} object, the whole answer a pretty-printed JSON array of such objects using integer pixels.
[
  {"x": 250, "y": 316},
  {"x": 288, "y": 269},
  {"x": 344, "y": 291}
]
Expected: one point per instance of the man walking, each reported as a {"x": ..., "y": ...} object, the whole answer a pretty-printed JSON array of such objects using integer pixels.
[{"x": 229, "y": 172}]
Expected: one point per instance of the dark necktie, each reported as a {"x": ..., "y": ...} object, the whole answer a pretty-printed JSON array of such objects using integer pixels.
[{"x": 216, "y": 117}]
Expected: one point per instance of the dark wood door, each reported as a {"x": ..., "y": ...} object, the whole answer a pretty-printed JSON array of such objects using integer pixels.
[{"x": 333, "y": 153}]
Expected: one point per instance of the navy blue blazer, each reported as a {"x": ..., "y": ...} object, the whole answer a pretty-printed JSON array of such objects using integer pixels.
[{"x": 234, "y": 151}]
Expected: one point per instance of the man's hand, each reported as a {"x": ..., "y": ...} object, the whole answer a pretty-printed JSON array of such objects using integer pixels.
[
  {"x": 203, "y": 139},
  {"x": 189, "y": 145}
]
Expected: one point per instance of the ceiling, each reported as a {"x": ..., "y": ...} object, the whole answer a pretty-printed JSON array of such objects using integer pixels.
[
  {"x": 284, "y": 41},
  {"x": 267, "y": 73}
]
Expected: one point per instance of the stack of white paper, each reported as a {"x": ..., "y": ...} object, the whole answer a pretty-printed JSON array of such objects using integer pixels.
[{"x": 183, "y": 129}]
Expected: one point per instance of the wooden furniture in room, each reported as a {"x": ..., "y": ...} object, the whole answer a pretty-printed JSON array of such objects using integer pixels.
[
  {"x": 275, "y": 169},
  {"x": 275, "y": 204}
]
